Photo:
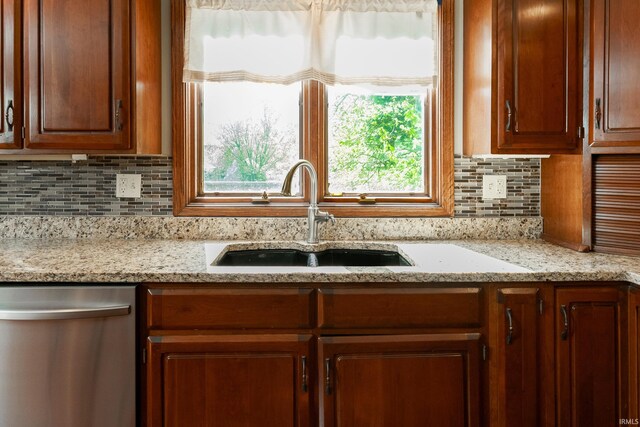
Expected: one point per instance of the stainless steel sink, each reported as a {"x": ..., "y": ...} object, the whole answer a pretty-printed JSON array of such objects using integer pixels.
[{"x": 323, "y": 258}]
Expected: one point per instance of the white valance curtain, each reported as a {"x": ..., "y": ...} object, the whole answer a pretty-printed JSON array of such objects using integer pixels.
[{"x": 370, "y": 42}]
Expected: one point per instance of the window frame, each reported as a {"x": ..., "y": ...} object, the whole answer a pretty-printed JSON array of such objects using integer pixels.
[{"x": 187, "y": 197}]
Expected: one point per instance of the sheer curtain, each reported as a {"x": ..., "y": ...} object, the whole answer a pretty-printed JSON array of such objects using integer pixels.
[{"x": 371, "y": 42}]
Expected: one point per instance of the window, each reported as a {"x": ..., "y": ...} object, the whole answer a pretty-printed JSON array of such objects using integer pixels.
[{"x": 366, "y": 98}]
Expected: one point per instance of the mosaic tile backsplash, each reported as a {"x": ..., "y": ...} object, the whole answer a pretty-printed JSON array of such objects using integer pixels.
[{"x": 88, "y": 187}]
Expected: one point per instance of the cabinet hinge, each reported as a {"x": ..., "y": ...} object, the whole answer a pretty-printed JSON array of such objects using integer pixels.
[
  {"x": 22, "y": 132},
  {"x": 580, "y": 132},
  {"x": 485, "y": 352},
  {"x": 144, "y": 356},
  {"x": 541, "y": 306}
]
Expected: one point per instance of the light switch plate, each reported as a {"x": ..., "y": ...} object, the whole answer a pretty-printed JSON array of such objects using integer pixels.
[
  {"x": 494, "y": 187},
  {"x": 128, "y": 185}
]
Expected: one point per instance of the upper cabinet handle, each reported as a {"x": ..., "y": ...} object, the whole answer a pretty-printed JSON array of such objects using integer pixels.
[
  {"x": 598, "y": 113},
  {"x": 508, "y": 126},
  {"x": 8, "y": 116},
  {"x": 510, "y": 326},
  {"x": 118, "y": 115},
  {"x": 565, "y": 319}
]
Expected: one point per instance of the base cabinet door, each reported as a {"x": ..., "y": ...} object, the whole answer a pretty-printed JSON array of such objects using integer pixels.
[
  {"x": 408, "y": 381},
  {"x": 634, "y": 354},
  {"x": 229, "y": 380},
  {"x": 522, "y": 363},
  {"x": 588, "y": 350}
]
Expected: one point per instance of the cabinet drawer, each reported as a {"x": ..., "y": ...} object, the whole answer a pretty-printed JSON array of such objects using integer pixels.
[
  {"x": 399, "y": 308},
  {"x": 229, "y": 308}
]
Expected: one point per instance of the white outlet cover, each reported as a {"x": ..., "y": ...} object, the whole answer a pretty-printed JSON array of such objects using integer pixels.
[
  {"x": 128, "y": 185},
  {"x": 494, "y": 187}
]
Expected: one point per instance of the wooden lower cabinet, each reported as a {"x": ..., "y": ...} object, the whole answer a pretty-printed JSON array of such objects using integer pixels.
[
  {"x": 409, "y": 381},
  {"x": 521, "y": 321},
  {"x": 633, "y": 333},
  {"x": 526, "y": 355},
  {"x": 588, "y": 357},
  {"x": 228, "y": 380}
]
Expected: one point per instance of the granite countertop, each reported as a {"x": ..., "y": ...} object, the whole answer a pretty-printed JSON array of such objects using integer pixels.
[{"x": 174, "y": 261}]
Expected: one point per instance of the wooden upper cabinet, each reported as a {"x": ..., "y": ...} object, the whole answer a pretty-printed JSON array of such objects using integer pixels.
[
  {"x": 10, "y": 96},
  {"x": 77, "y": 74},
  {"x": 615, "y": 99},
  {"x": 83, "y": 76},
  {"x": 537, "y": 77}
]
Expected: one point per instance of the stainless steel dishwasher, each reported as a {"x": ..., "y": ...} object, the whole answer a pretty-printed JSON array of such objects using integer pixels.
[{"x": 67, "y": 356}]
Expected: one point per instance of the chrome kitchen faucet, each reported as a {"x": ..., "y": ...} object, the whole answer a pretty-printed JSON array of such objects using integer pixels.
[{"x": 314, "y": 214}]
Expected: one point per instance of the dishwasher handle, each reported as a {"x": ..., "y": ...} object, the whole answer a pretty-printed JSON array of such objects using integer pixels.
[{"x": 65, "y": 313}]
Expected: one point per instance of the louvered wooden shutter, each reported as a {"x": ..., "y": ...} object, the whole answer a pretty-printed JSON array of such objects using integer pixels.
[{"x": 616, "y": 204}]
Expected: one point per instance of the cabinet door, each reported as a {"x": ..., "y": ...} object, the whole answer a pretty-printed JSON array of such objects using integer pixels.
[
  {"x": 10, "y": 97},
  {"x": 408, "y": 381},
  {"x": 634, "y": 354},
  {"x": 587, "y": 345},
  {"x": 538, "y": 76},
  {"x": 615, "y": 101},
  {"x": 231, "y": 381},
  {"x": 77, "y": 74},
  {"x": 523, "y": 362}
]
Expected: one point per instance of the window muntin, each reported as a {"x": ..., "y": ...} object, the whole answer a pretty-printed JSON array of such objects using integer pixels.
[{"x": 250, "y": 137}]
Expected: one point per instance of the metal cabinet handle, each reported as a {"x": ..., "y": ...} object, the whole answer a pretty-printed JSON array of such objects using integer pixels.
[
  {"x": 8, "y": 116},
  {"x": 565, "y": 316},
  {"x": 118, "y": 115},
  {"x": 65, "y": 313},
  {"x": 598, "y": 113},
  {"x": 508, "y": 126},
  {"x": 327, "y": 378},
  {"x": 510, "y": 326},
  {"x": 305, "y": 385}
]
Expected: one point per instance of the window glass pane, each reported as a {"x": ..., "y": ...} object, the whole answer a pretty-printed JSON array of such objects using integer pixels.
[
  {"x": 251, "y": 136},
  {"x": 376, "y": 142}
]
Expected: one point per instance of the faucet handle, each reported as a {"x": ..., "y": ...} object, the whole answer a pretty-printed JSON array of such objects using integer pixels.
[{"x": 324, "y": 217}]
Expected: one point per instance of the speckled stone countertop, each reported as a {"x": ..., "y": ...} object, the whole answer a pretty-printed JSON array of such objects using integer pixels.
[{"x": 174, "y": 261}]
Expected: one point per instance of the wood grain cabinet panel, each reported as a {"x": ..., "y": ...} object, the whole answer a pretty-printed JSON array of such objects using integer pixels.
[
  {"x": 587, "y": 361},
  {"x": 399, "y": 308},
  {"x": 188, "y": 308},
  {"x": 231, "y": 381},
  {"x": 518, "y": 326},
  {"x": 615, "y": 100},
  {"x": 537, "y": 76},
  {"x": 77, "y": 74},
  {"x": 87, "y": 76},
  {"x": 10, "y": 67},
  {"x": 633, "y": 333},
  {"x": 409, "y": 381}
]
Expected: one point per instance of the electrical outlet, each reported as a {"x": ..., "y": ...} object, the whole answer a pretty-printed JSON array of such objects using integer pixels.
[
  {"x": 494, "y": 187},
  {"x": 128, "y": 185}
]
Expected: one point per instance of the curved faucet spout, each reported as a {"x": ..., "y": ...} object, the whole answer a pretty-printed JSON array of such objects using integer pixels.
[{"x": 314, "y": 215}]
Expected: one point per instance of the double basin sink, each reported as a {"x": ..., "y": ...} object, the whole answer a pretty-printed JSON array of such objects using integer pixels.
[{"x": 283, "y": 257}]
